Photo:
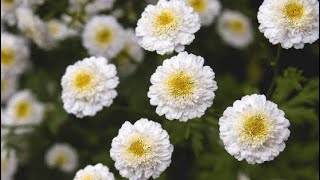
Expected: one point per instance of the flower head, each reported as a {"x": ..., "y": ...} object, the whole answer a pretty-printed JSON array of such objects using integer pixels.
[{"x": 97, "y": 172}]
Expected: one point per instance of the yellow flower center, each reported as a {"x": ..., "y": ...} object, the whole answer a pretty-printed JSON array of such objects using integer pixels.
[
  {"x": 88, "y": 177},
  {"x": 23, "y": 109},
  {"x": 236, "y": 26},
  {"x": 7, "y": 56},
  {"x": 8, "y": 1},
  {"x": 198, "y": 5},
  {"x": 104, "y": 36},
  {"x": 53, "y": 28},
  {"x": 138, "y": 148},
  {"x": 83, "y": 80},
  {"x": 60, "y": 160},
  {"x": 3, "y": 85},
  {"x": 294, "y": 11},
  {"x": 123, "y": 56},
  {"x": 180, "y": 85},
  {"x": 166, "y": 21},
  {"x": 255, "y": 130},
  {"x": 4, "y": 164}
]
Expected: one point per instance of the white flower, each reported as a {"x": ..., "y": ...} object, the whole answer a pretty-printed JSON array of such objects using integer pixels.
[
  {"x": 207, "y": 9},
  {"x": 254, "y": 129},
  {"x": 141, "y": 150},
  {"x": 88, "y": 86},
  {"x": 235, "y": 29},
  {"x": 97, "y": 172},
  {"x": 63, "y": 157},
  {"x": 34, "y": 28},
  {"x": 103, "y": 36},
  {"x": 58, "y": 30},
  {"x": 130, "y": 56},
  {"x": 4, "y": 131},
  {"x": 9, "y": 163},
  {"x": 98, "y": 6},
  {"x": 292, "y": 23},
  {"x": 8, "y": 85},
  {"x": 182, "y": 88},
  {"x": 14, "y": 54},
  {"x": 24, "y": 109},
  {"x": 167, "y": 26},
  {"x": 242, "y": 176},
  {"x": 8, "y": 10},
  {"x": 32, "y": 3}
]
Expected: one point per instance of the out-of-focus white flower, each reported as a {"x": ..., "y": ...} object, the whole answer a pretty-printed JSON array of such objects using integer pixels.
[
  {"x": 103, "y": 36},
  {"x": 98, "y": 6},
  {"x": 182, "y": 88},
  {"x": 9, "y": 163},
  {"x": 292, "y": 23},
  {"x": 131, "y": 55},
  {"x": 242, "y": 176},
  {"x": 8, "y": 10},
  {"x": 63, "y": 157},
  {"x": 97, "y": 172},
  {"x": 88, "y": 86},
  {"x": 34, "y": 28},
  {"x": 235, "y": 29},
  {"x": 58, "y": 30},
  {"x": 8, "y": 85},
  {"x": 254, "y": 129},
  {"x": 207, "y": 9},
  {"x": 14, "y": 54},
  {"x": 167, "y": 26},
  {"x": 141, "y": 150}
]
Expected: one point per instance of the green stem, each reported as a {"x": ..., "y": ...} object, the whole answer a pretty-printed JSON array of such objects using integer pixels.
[{"x": 275, "y": 68}]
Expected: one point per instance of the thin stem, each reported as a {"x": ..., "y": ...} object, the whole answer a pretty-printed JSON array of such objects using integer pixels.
[{"x": 275, "y": 68}]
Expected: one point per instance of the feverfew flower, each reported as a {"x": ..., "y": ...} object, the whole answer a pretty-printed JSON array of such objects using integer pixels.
[
  {"x": 88, "y": 86},
  {"x": 58, "y": 30},
  {"x": 167, "y": 26},
  {"x": 8, "y": 85},
  {"x": 235, "y": 29},
  {"x": 63, "y": 157},
  {"x": 182, "y": 88},
  {"x": 14, "y": 54},
  {"x": 207, "y": 9},
  {"x": 98, "y": 6},
  {"x": 292, "y": 23},
  {"x": 8, "y": 10},
  {"x": 34, "y": 28},
  {"x": 97, "y": 172},
  {"x": 103, "y": 36},
  {"x": 141, "y": 150},
  {"x": 130, "y": 56},
  {"x": 9, "y": 163},
  {"x": 24, "y": 109},
  {"x": 254, "y": 129}
]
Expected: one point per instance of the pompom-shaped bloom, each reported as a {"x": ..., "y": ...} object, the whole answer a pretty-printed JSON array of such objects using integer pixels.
[
  {"x": 14, "y": 54},
  {"x": 182, "y": 88},
  {"x": 97, "y": 172},
  {"x": 207, "y": 9},
  {"x": 254, "y": 129},
  {"x": 141, "y": 150},
  {"x": 292, "y": 23},
  {"x": 8, "y": 85},
  {"x": 167, "y": 26},
  {"x": 24, "y": 109},
  {"x": 58, "y": 30},
  {"x": 9, "y": 163},
  {"x": 103, "y": 36},
  {"x": 235, "y": 29},
  {"x": 130, "y": 56},
  {"x": 34, "y": 28},
  {"x": 8, "y": 10},
  {"x": 88, "y": 86},
  {"x": 63, "y": 157}
]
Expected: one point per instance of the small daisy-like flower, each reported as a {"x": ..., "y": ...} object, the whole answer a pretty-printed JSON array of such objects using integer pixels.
[
  {"x": 97, "y": 172},
  {"x": 235, "y": 29},
  {"x": 14, "y": 54},
  {"x": 8, "y": 85},
  {"x": 130, "y": 56},
  {"x": 207, "y": 9},
  {"x": 103, "y": 36},
  {"x": 34, "y": 28},
  {"x": 59, "y": 30},
  {"x": 8, "y": 10},
  {"x": 63, "y": 157},
  {"x": 9, "y": 163},
  {"x": 182, "y": 88},
  {"x": 24, "y": 109},
  {"x": 99, "y": 5},
  {"x": 141, "y": 150},
  {"x": 254, "y": 129},
  {"x": 292, "y": 23},
  {"x": 88, "y": 86},
  {"x": 167, "y": 26}
]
